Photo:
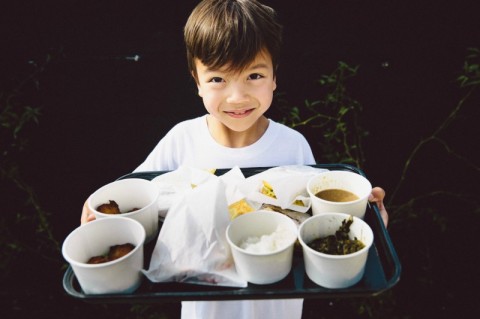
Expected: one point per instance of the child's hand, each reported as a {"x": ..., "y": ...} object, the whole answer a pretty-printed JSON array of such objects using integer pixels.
[
  {"x": 87, "y": 215},
  {"x": 377, "y": 196}
]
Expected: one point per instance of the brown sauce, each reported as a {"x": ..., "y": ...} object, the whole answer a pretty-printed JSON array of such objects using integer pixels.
[{"x": 336, "y": 195}]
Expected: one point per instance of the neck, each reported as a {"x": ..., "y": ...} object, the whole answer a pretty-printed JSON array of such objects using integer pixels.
[{"x": 229, "y": 138}]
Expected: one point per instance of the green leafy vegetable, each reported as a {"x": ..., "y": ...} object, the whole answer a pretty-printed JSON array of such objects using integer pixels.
[{"x": 338, "y": 244}]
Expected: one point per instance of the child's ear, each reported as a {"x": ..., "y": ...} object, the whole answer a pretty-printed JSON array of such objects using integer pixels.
[
  {"x": 196, "y": 82},
  {"x": 274, "y": 83}
]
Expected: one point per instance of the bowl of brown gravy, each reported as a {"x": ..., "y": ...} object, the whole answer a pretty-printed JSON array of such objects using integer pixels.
[{"x": 339, "y": 192}]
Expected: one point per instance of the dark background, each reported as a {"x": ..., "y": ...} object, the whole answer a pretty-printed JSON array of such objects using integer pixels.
[{"x": 102, "y": 113}]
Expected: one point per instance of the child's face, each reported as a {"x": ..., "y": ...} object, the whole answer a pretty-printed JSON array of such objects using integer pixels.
[{"x": 237, "y": 99}]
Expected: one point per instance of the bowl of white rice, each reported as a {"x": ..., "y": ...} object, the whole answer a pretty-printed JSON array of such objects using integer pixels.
[{"x": 262, "y": 245}]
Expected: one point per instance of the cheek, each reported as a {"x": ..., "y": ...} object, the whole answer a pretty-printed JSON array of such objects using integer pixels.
[
  {"x": 266, "y": 96},
  {"x": 209, "y": 101}
]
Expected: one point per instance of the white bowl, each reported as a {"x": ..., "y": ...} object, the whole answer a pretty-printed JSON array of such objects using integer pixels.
[
  {"x": 334, "y": 271},
  {"x": 272, "y": 264},
  {"x": 122, "y": 275},
  {"x": 130, "y": 193},
  {"x": 349, "y": 181}
]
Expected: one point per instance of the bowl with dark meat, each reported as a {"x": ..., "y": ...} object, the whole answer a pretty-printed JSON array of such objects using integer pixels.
[
  {"x": 106, "y": 255},
  {"x": 133, "y": 198}
]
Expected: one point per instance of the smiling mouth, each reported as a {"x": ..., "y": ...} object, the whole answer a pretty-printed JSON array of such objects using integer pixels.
[{"x": 240, "y": 113}]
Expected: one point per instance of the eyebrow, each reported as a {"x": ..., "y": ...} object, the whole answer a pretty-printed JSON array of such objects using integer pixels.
[{"x": 260, "y": 65}]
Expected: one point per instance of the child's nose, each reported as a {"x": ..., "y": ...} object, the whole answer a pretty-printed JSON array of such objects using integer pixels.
[{"x": 238, "y": 94}]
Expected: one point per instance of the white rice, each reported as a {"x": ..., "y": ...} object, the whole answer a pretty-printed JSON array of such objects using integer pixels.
[{"x": 277, "y": 240}]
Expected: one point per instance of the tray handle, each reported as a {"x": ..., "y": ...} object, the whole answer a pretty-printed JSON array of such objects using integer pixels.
[{"x": 390, "y": 258}]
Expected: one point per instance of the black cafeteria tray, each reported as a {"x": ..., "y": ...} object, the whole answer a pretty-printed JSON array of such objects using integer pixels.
[{"x": 382, "y": 270}]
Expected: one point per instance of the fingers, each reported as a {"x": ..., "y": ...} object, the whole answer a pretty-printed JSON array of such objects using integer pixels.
[
  {"x": 377, "y": 196},
  {"x": 384, "y": 215},
  {"x": 87, "y": 214}
]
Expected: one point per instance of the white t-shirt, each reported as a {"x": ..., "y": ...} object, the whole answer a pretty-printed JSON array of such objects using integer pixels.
[{"x": 189, "y": 143}]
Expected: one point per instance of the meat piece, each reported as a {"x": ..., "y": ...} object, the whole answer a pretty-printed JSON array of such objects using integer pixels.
[
  {"x": 118, "y": 251},
  {"x": 97, "y": 260},
  {"x": 110, "y": 208}
]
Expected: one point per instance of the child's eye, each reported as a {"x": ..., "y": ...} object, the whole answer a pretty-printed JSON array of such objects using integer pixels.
[
  {"x": 255, "y": 76},
  {"x": 216, "y": 79}
]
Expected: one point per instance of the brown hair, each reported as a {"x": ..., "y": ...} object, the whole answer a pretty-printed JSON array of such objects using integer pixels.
[{"x": 231, "y": 32}]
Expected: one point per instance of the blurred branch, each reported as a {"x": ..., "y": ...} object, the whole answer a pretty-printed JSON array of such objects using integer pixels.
[
  {"x": 334, "y": 116},
  {"x": 470, "y": 79},
  {"x": 21, "y": 214}
]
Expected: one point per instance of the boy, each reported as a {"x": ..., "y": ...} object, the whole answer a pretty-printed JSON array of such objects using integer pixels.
[{"x": 232, "y": 53}]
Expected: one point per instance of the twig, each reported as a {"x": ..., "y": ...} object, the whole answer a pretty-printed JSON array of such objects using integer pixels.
[{"x": 434, "y": 137}]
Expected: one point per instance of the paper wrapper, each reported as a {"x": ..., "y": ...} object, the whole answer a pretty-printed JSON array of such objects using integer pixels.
[
  {"x": 173, "y": 185},
  {"x": 192, "y": 245},
  {"x": 288, "y": 183},
  {"x": 236, "y": 198}
]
